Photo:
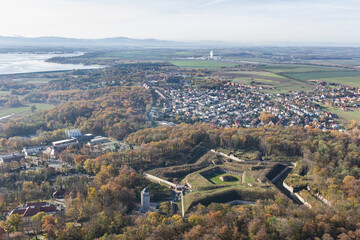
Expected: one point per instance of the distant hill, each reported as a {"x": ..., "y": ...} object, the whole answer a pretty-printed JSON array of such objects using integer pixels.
[{"x": 105, "y": 42}]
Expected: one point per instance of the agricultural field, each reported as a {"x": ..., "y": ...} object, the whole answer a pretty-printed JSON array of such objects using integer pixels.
[
  {"x": 349, "y": 81},
  {"x": 351, "y": 62},
  {"x": 271, "y": 82},
  {"x": 202, "y": 64},
  {"x": 330, "y": 74},
  {"x": 304, "y": 76}
]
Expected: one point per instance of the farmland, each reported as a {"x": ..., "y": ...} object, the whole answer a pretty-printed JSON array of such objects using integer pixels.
[
  {"x": 202, "y": 64},
  {"x": 270, "y": 81},
  {"x": 349, "y": 81},
  {"x": 304, "y": 76}
]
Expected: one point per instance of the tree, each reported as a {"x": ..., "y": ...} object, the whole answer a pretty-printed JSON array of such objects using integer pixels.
[
  {"x": 13, "y": 223},
  {"x": 33, "y": 108},
  {"x": 49, "y": 226},
  {"x": 266, "y": 117},
  {"x": 165, "y": 208},
  {"x": 37, "y": 221}
]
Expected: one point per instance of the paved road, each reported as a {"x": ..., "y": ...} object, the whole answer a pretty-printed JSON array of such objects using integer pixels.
[
  {"x": 157, "y": 179},
  {"x": 225, "y": 155}
]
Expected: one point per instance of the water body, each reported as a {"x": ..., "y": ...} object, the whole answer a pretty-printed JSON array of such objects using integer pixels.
[{"x": 11, "y": 63}]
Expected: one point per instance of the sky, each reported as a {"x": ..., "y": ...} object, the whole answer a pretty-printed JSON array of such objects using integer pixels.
[{"x": 243, "y": 21}]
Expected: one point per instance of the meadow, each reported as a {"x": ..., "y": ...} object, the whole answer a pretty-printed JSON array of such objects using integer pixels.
[{"x": 21, "y": 111}]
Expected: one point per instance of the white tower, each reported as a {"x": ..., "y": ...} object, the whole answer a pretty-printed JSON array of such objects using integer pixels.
[
  {"x": 211, "y": 54},
  {"x": 145, "y": 200}
]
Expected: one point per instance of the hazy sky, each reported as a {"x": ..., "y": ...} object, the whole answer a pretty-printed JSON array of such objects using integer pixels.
[{"x": 263, "y": 21}]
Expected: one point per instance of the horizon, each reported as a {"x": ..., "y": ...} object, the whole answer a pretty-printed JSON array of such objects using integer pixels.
[
  {"x": 202, "y": 43},
  {"x": 246, "y": 22}
]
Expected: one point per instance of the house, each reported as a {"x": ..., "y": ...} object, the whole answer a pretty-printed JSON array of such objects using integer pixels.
[
  {"x": 30, "y": 209},
  {"x": 11, "y": 157}
]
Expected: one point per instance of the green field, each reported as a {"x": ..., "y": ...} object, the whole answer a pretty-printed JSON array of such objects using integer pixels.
[
  {"x": 24, "y": 110},
  {"x": 350, "y": 62},
  {"x": 201, "y": 64},
  {"x": 349, "y": 81},
  {"x": 257, "y": 73},
  {"x": 320, "y": 75},
  {"x": 303, "y": 69},
  {"x": 347, "y": 115},
  {"x": 271, "y": 82}
]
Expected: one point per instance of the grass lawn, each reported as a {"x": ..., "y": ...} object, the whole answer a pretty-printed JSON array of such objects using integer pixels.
[
  {"x": 215, "y": 178},
  {"x": 24, "y": 110},
  {"x": 202, "y": 64}
]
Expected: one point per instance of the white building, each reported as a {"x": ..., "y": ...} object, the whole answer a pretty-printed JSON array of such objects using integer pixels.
[
  {"x": 145, "y": 200},
  {"x": 73, "y": 133}
]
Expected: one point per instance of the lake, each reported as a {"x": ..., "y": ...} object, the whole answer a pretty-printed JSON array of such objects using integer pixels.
[{"x": 11, "y": 63}]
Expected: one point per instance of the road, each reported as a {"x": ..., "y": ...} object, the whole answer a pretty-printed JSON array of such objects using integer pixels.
[
  {"x": 160, "y": 180},
  {"x": 227, "y": 156}
]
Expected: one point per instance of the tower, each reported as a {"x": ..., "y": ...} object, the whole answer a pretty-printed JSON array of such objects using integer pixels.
[
  {"x": 145, "y": 200},
  {"x": 211, "y": 54}
]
